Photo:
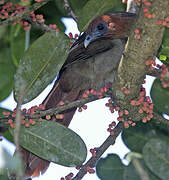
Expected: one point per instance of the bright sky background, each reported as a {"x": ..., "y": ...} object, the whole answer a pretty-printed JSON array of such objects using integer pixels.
[{"x": 90, "y": 124}]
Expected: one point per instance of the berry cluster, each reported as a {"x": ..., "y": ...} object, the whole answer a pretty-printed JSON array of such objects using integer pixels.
[
  {"x": 137, "y": 32},
  {"x": 111, "y": 127},
  {"x": 72, "y": 39},
  {"x": 93, "y": 152},
  {"x": 122, "y": 116},
  {"x": 146, "y": 11},
  {"x": 153, "y": 65},
  {"x": 163, "y": 22},
  {"x": 9, "y": 10},
  {"x": 24, "y": 120},
  {"x": 145, "y": 106},
  {"x": 68, "y": 177},
  {"x": 90, "y": 92},
  {"x": 54, "y": 27},
  {"x": 125, "y": 91},
  {"x": 90, "y": 170},
  {"x": 163, "y": 76},
  {"x": 84, "y": 107}
]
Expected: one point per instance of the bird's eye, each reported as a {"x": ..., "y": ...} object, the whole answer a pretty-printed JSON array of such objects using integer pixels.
[{"x": 100, "y": 26}]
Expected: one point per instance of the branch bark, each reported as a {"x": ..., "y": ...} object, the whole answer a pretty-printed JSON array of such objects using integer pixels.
[
  {"x": 69, "y": 10},
  {"x": 136, "y": 52},
  {"x": 92, "y": 161},
  {"x": 25, "y": 13}
]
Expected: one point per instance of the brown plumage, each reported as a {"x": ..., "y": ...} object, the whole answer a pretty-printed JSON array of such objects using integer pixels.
[{"x": 92, "y": 63}]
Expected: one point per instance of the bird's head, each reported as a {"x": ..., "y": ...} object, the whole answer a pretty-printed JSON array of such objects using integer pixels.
[{"x": 115, "y": 25}]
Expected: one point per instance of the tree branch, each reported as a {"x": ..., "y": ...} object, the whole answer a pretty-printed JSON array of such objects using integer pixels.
[
  {"x": 136, "y": 53},
  {"x": 69, "y": 10},
  {"x": 25, "y": 13},
  {"x": 100, "y": 150},
  {"x": 59, "y": 108}
]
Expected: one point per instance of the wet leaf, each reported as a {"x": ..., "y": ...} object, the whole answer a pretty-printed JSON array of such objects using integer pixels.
[
  {"x": 54, "y": 142},
  {"x": 40, "y": 64},
  {"x": 160, "y": 97},
  {"x": 130, "y": 172},
  {"x": 92, "y": 9},
  {"x": 110, "y": 168},
  {"x": 156, "y": 157}
]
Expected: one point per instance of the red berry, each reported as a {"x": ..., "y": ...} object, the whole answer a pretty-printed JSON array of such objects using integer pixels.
[
  {"x": 80, "y": 110},
  {"x": 27, "y": 125},
  {"x": 137, "y": 31},
  {"x": 138, "y": 37},
  {"x": 10, "y": 121},
  {"x": 48, "y": 117},
  {"x": 147, "y": 3},
  {"x": 126, "y": 112},
  {"x": 84, "y": 107},
  {"x": 61, "y": 103}
]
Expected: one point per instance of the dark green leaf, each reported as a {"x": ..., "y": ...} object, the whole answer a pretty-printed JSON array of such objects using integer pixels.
[
  {"x": 130, "y": 172},
  {"x": 52, "y": 14},
  {"x": 40, "y": 64},
  {"x": 110, "y": 168},
  {"x": 160, "y": 97},
  {"x": 156, "y": 157},
  {"x": 17, "y": 43},
  {"x": 136, "y": 137},
  {"x": 92, "y": 9},
  {"x": 54, "y": 142},
  {"x": 7, "y": 71}
]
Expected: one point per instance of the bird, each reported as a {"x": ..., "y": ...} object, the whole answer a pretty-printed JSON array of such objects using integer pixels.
[{"x": 92, "y": 62}]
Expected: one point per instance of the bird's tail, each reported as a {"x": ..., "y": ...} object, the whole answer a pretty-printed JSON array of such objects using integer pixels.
[{"x": 34, "y": 164}]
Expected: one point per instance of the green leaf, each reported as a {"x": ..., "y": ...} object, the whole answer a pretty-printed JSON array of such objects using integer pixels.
[
  {"x": 163, "y": 58},
  {"x": 17, "y": 43},
  {"x": 10, "y": 163},
  {"x": 130, "y": 172},
  {"x": 160, "y": 97},
  {"x": 54, "y": 142},
  {"x": 40, "y": 64},
  {"x": 136, "y": 137},
  {"x": 110, "y": 168},
  {"x": 156, "y": 157},
  {"x": 92, "y": 9},
  {"x": 76, "y": 5},
  {"x": 7, "y": 71},
  {"x": 52, "y": 14}
]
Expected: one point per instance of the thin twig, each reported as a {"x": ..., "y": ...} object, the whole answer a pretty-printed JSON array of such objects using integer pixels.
[
  {"x": 24, "y": 13},
  {"x": 61, "y": 108},
  {"x": 92, "y": 161},
  {"x": 42, "y": 26},
  {"x": 58, "y": 109},
  {"x": 142, "y": 173},
  {"x": 19, "y": 175},
  {"x": 69, "y": 10}
]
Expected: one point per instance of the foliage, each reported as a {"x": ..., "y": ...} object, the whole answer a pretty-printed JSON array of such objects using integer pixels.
[{"x": 36, "y": 67}]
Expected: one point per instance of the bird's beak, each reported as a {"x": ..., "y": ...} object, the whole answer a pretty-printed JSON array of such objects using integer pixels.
[
  {"x": 91, "y": 37},
  {"x": 87, "y": 40}
]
